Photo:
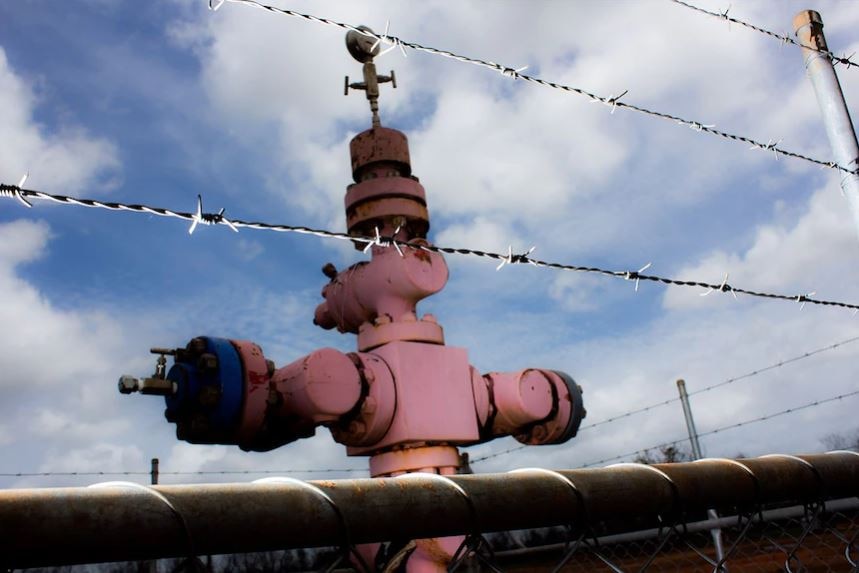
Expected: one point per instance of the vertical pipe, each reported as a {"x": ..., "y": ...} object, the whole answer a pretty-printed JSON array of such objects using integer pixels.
[
  {"x": 808, "y": 26},
  {"x": 151, "y": 566},
  {"x": 696, "y": 453},
  {"x": 690, "y": 423}
]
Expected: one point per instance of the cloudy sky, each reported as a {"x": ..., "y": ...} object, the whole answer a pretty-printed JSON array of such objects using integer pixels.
[{"x": 154, "y": 102}]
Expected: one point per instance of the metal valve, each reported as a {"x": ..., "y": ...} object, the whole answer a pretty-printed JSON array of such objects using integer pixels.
[{"x": 155, "y": 385}]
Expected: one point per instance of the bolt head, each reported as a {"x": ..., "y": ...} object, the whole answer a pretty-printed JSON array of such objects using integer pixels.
[
  {"x": 207, "y": 362},
  {"x": 209, "y": 395},
  {"x": 197, "y": 345}
]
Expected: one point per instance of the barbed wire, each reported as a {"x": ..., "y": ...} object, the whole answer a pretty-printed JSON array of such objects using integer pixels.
[
  {"x": 22, "y": 195},
  {"x": 667, "y": 401},
  {"x": 353, "y": 470},
  {"x": 725, "y": 428},
  {"x": 182, "y": 473},
  {"x": 613, "y": 102},
  {"x": 783, "y": 38}
]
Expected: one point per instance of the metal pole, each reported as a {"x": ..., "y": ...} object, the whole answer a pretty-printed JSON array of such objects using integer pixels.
[
  {"x": 128, "y": 522},
  {"x": 808, "y": 26},
  {"x": 696, "y": 453},
  {"x": 690, "y": 423},
  {"x": 153, "y": 473}
]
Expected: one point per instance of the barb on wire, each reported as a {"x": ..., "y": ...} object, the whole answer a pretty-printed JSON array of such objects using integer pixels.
[
  {"x": 636, "y": 275},
  {"x": 506, "y": 259},
  {"x": 783, "y": 38},
  {"x": 208, "y": 218},
  {"x": 16, "y": 193},
  {"x": 386, "y": 39},
  {"x": 649, "y": 407},
  {"x": 728, "y": 427},
  {"x": 612, "y": 101},
  {"x": 511, "y": 259}
]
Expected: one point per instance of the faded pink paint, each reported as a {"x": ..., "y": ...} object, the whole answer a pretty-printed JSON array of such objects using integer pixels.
[
  {"x": 405, "y": 398},
  {"x": 322, "y": 386},
  {"x": 256, "y": 376},
  {"x": 384, "y": 290}
]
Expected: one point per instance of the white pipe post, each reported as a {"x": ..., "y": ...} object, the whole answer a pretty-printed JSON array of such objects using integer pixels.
[
  {"x": 696, "y": 453},
  {"x": 808, "y": 26}
]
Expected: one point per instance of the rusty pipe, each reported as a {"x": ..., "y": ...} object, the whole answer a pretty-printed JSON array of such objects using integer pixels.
[{"x": 117, "y": 522}]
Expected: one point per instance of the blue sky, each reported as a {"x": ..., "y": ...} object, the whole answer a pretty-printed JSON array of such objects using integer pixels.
[{"x": 155, "y": 102}]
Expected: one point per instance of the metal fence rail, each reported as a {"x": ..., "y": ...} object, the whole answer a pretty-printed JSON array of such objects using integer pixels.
[{"x": 122, "y": 522}]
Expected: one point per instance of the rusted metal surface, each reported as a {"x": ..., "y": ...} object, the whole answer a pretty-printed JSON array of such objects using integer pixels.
[
  {"x": 721, "y": 482},
  {"x": 379, "y": 145},
  {"x": 126, "y": 522}
]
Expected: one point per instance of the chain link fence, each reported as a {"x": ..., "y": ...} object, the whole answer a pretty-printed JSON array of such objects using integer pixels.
[{"x": 811, "y": 538}]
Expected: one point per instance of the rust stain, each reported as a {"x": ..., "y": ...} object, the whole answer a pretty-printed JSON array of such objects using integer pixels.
[{"x": 422, "y": 256}]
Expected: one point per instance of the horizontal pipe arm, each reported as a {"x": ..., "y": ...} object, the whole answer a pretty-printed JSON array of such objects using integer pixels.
[{"x": 119, "y": 522}]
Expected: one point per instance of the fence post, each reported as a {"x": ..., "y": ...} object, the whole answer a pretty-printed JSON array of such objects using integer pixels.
[
  {"x": 808, "y": 26},
  {"x": 696, "y": 453}
]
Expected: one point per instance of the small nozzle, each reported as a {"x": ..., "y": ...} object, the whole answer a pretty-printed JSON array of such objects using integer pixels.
[{"x": 128, "y": 384}]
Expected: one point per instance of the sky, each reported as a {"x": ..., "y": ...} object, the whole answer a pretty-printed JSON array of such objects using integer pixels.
[{"x": 155, "y": 102}]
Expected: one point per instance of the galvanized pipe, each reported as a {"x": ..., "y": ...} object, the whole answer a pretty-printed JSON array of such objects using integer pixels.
[
  {"x": 697, "y": 455},
  {"x": 690, "y": 421},
  {"x": 120, "y": 521},
  {"x": 808, "y": 26}
]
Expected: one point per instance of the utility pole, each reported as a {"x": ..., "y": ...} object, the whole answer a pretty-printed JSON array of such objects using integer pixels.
[
  {"x": 696, "y": 453},
  {"x": 808, "y": 26}
]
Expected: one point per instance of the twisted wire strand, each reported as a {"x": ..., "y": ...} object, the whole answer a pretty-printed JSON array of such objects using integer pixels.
[
  {"x": 612, "y": 101},
  {"x": 182, "y": 473},
  {"x": 665, "y": 402},
  {"x": 727, "y": 427},
  {"x": 331, "y": 470},
  {"x": 783, "y": 38},
  {"x": 13, "y": 191}
]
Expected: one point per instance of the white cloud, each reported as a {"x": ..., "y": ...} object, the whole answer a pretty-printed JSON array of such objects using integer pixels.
[
  {"x": 186, "y": 457},
  {"x": 66, "y": 158},
  {"x": 95, "y": 458},
  {"x": 786, "y": 258},
  {"x": 249, "y": 249},
  {"x": 503, "y": 163},
  {"x": 578, "y": 292},
  {"x": 75, "y": 341},
  {"x": 61, "y": 426}
]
